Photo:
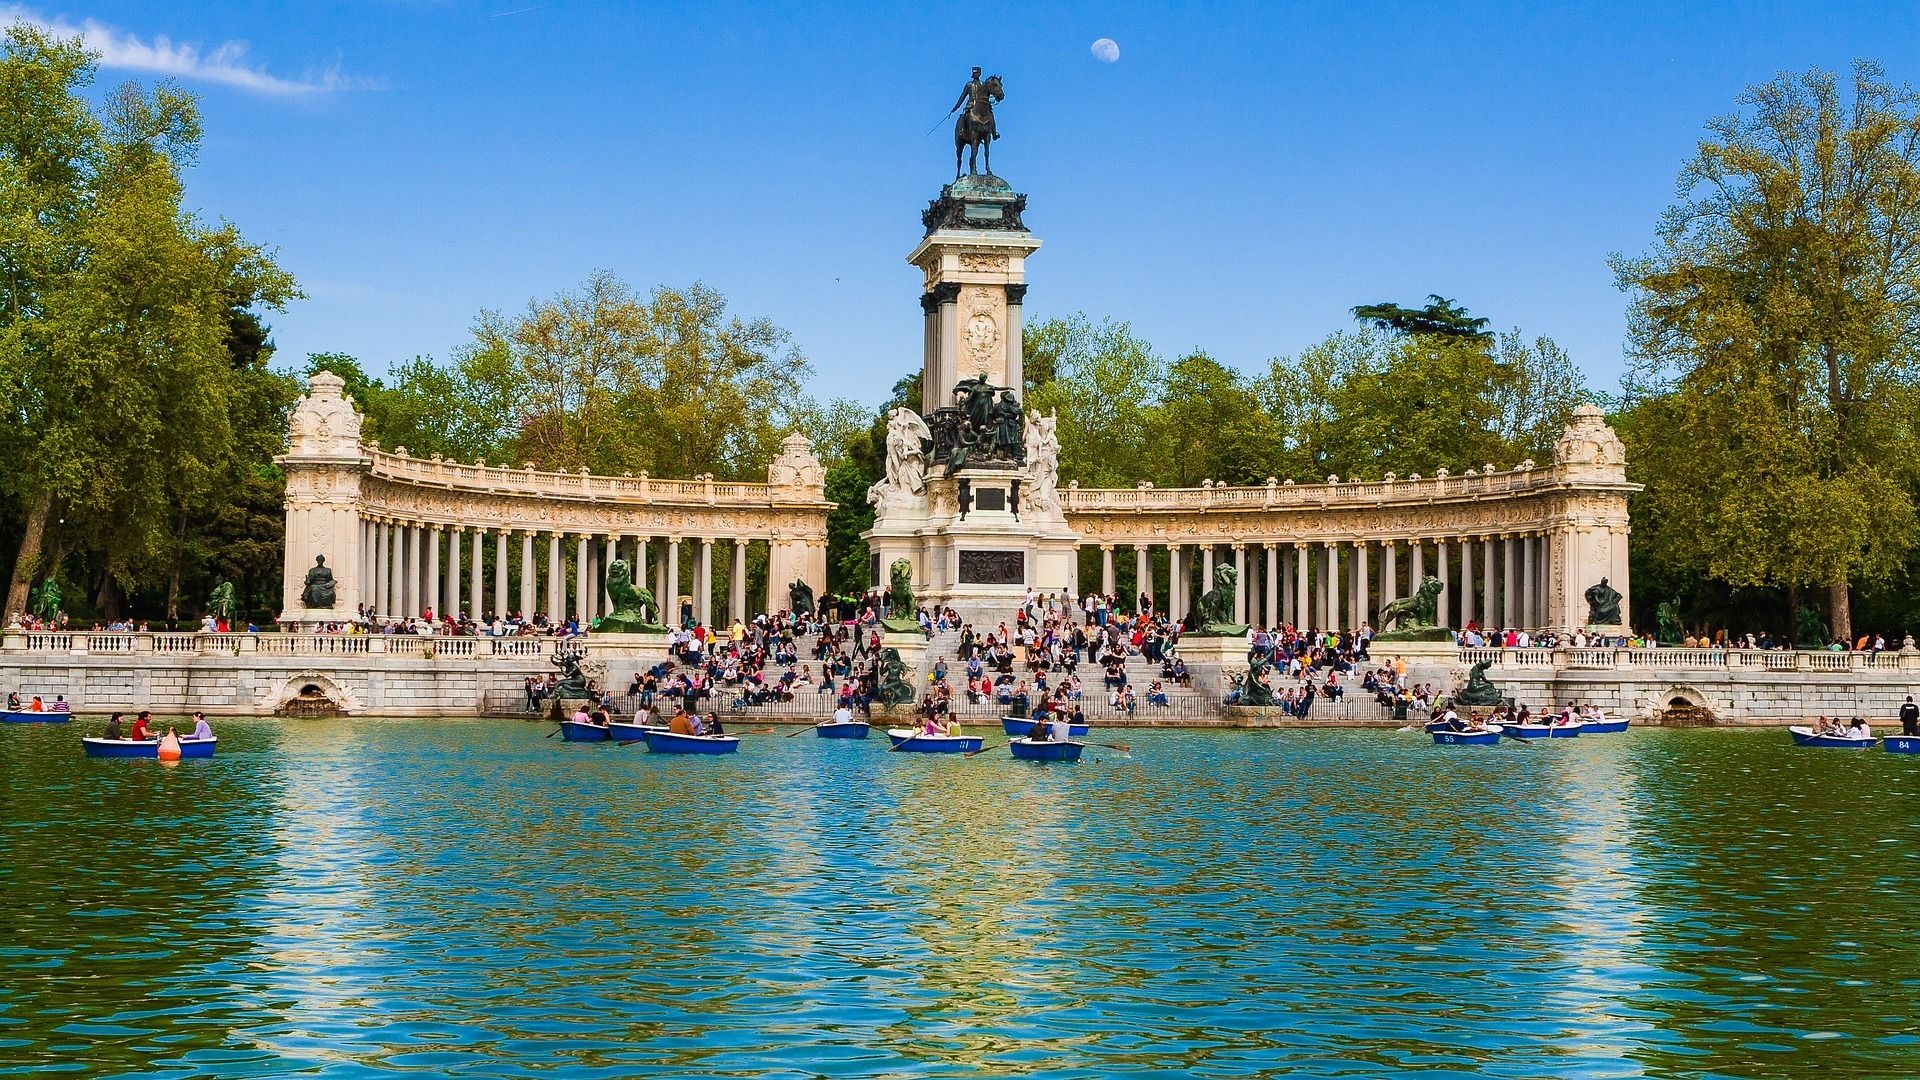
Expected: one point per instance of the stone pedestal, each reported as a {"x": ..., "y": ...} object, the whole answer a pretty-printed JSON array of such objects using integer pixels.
[
  {"x": 1219, "y": 652},
  {"x": 324, "y": 468},
  {"x": 979, "y": 537},
  {"x": 1435, "y": 662}
]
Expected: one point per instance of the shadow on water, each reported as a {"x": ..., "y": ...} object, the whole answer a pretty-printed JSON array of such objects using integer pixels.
[{"x": 346, "y": 897}]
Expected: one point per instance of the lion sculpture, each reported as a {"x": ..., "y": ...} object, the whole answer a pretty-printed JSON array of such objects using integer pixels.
[
  {"x": 1417, "y": 612},
  {"x": 631, "y": 604},
  {"x": 1216, "y": 604}
]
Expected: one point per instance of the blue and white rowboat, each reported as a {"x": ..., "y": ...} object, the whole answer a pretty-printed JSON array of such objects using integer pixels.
[
  {"x": 1045, "y": 749},
  {"x": 574, "y": 731},
  {"x": 1603, "y": 727},
  {"x": 666, "y": 742},
  {"x": 1468, "y": 738},
  {"x": 1805, "y": 736},
  {"x": 28, "y": 716},
  {"x": 852, "y": 729},
  {"x": 907, "y": 741},
  {"x": 1901, "y": 744},
  {"x": 1018, "y": 726},
  {"x": 1544, "y": 731},
  {"x": 631, "y": 732},
  {"x": 146, "y": 748}
]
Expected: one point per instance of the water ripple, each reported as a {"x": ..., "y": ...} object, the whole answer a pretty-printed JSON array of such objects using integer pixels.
[{"x": 349, "y": 898}]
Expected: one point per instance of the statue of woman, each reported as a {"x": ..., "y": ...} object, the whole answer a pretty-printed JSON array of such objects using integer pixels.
[{"x": 1008, "y": 422}]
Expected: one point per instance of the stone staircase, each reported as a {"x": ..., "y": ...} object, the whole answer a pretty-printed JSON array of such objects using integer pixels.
[{"x": 1198, "y": 704}]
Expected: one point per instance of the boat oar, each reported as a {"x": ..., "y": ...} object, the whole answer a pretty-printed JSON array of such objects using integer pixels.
[
  {"x": 554, "y": 732},
  {"x": 1120, "y": 746},
  {"x": 802, "y": 731},
  {"x": 982, "y": 750}
]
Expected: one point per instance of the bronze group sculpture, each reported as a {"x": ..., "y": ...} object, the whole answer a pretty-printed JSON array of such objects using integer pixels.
[
  {"x": 893, "y": 689},
  {"x": 800, "y": 598},
  {"x": 573, "y": 682},
  {"x": 318, "y": 592},
  {"x": 1479, "y": 689}
]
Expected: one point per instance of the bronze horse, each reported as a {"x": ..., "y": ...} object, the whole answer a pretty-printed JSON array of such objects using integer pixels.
[{"x": 974, "y": 130}]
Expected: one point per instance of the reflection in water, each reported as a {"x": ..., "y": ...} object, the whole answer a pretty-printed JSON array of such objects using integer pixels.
[{"x": 343, "y": 897}]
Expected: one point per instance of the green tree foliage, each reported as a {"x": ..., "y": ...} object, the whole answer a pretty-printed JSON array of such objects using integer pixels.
[
  {"x": 1440, "y": 318},
  {"x": 1103, "y": 383},
  {"x": 1773, "y": 331},
  {"x": 115, "y": 316},
  {"x": 1367, "y": 402}
]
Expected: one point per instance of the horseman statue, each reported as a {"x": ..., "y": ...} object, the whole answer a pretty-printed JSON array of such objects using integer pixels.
[{"x": 974, "y": 131}]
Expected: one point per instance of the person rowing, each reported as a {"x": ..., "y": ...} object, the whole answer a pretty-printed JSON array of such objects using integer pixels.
[
  {"x": 140, "y": 732},
  {"x": 682, "y": 723},
  {"x": 1859, "y": 730}
]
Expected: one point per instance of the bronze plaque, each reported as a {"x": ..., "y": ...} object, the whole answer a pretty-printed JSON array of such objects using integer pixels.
[{"x": 993, "y": 567}]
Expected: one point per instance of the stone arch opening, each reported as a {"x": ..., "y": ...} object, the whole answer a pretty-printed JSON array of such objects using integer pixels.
[{"x": 1685, "y": 706}]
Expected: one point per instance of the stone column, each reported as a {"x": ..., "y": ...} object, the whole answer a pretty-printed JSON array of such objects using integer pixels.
[
  {"x": 1391, "y": 575},
  {"x": 1510, "y": 582},
  {"x": 382, "y": 578},
  {"x": 1489, "y": 607},
  {"x": 670, "y": 599},
  {"x": 1418, "y": 572},
  {"x": 367, "y": 561},
  {"x": 1240, "y": 571},
  {"x": 1447, "y": 617},
  {"x": 1467, "y": 613},
  {"x": 1332, "y": 589},
  {"x": 1142, "y": 575},
  {"x": 1173, "y": 582},
  {"x": 1528, "y": 613},
  {"x": 640, "y": 565},
  {"x": 1106, "y": 569},
  {"x": 409, "y": 570},
  {"x": 1271, "y": 578},
  {"x": 737, "y": 588},
  {"x": 582, "y": 587},
  {"x": 527, "y": 570},
  {"x": 1300, "y": 590},
  {"x": 500, "y": 600},
  {"x": 705, "y": 587},
  {"x": 452, "y": 592},
  {"x": 1206, "y": 568},
  {"x": 556, "y": 600},
  {"x": 1361, "y": 581},
  {"x": 476, "y": 593},
  {"x": 611, "y": 552}
]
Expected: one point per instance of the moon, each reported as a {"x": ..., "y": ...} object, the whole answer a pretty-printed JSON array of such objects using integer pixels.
[{"x": 1106, "y": 50}]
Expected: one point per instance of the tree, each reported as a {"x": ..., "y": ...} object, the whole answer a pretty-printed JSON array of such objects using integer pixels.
[
  {"x": 1104, "y": 384},
  {"x": 1440, "y": 318},
  {"x": 114, "y": 313},
  {"x": 1367, "y": 403},
  {"x": 1773, "y": 327}
]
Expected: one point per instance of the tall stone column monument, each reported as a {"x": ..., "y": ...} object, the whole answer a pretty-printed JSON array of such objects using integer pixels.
[
  {"x": 970, "y": 499},
  {"x": 324, "y": 468}
]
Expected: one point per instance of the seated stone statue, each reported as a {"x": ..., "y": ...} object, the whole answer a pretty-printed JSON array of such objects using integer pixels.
[
  {"x": 319, "y": 587},
  {"x": 1603, "y": 604}
]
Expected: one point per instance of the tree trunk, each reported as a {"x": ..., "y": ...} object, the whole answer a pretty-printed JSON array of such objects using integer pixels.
[
  {"x": 28, "y": 563},
  {"x": 1840, "y": 612},
  {"x": 173, "y": 573}
]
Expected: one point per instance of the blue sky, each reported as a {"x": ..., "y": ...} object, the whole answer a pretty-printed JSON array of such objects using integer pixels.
[{"x": 1238, "y": 179}]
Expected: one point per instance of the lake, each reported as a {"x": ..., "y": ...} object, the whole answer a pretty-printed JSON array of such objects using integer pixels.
[{"x": 358, "y": 897}]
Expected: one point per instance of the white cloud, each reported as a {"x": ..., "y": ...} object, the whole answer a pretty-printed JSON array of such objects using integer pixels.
[
  {"x": 1106, "y": 50},
  {"x": 227, "y": 63}
]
